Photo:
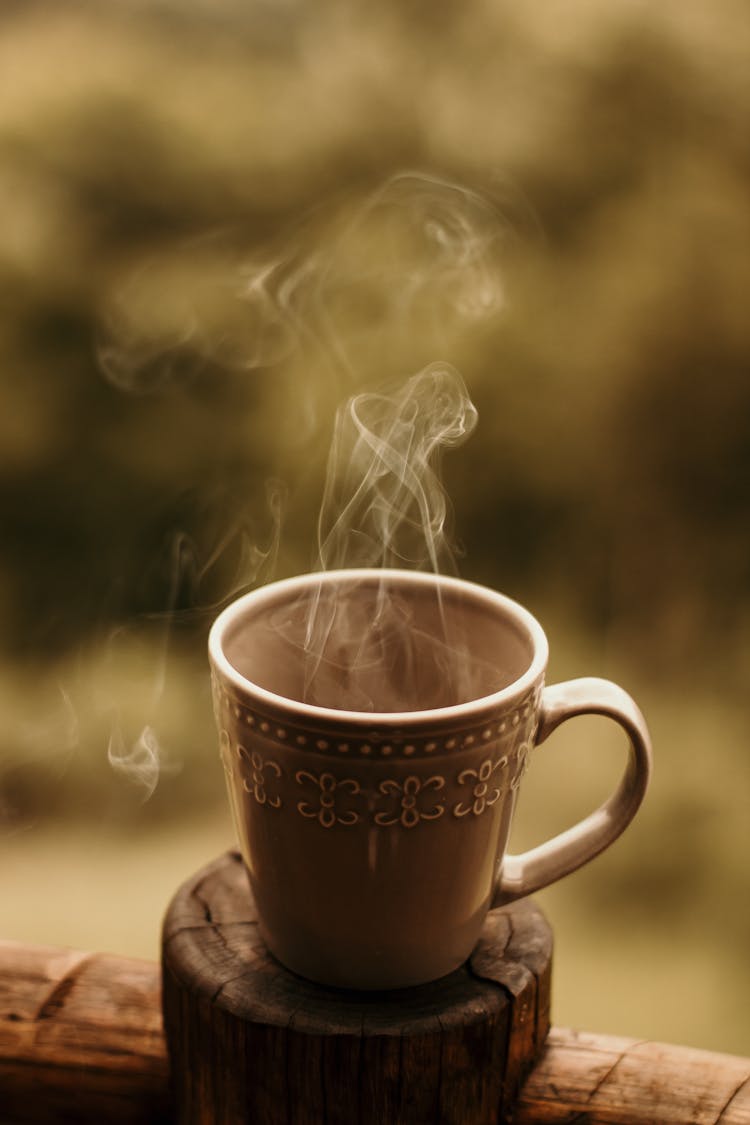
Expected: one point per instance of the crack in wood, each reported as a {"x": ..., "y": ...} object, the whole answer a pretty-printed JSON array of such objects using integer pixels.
[
  {"x": 202, "y": 926},
  {"x": 151, "y": 1065},
  {"x": 480, "y": 978},
  {"x": 727, "y": 1104},
  {"x": 511, "y": 932},
  {"x": 608, "y": 1074},
  {"x": 483, "y": 979},
  {"x": 240, "y": 976},
  {"x": 195, "y": 893},
  {"x": 288, "y": 1084},
  {"x": 216, "y": 927},
  {"x": 439, "y": 1091},
  {"x": 582, "y": 1116},
  {"x": 360, "y": 1067},
  {"x": 218, "y": 930},
  {"x": 323, "y": 1091},
  {"x": 400, "y": 1089},
  {"x": 55, "y": 1000},
  {"x": 475, "y": 974}
]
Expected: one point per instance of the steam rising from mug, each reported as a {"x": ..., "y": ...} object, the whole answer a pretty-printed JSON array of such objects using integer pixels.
[
  {"x": 387, "y": 282},
  {"x": 384, "y": 505}
]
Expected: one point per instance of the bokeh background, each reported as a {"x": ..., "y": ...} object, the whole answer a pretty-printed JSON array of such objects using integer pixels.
[{"x": 220, "y": 219}]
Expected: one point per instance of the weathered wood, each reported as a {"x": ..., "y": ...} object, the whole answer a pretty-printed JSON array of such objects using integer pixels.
[
  {"x": 114, "y": 1070},
  {"x": 80, "y": 1038},
  {"x": 604, "y": 1080},
  {"x": 251, "y": 1042}
]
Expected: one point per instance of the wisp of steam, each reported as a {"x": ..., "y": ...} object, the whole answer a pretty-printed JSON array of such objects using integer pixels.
[
  {"x": 416, "y": 262},
  {"x": 384, "y": 503},
  {"x": 384, "y": 506}
]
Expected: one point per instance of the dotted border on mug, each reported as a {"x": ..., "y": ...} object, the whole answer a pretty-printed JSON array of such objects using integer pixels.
[{"x": 377, "y": 744}]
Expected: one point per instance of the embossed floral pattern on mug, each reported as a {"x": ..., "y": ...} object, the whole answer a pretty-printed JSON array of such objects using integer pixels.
[
  {"x": 331, "y": 799},
  {"x": 410, "y": 806},
  {"x": 328, "y": 811},
  {"x": 253, "y": 773},
  {"x": 483, "y": 793}
]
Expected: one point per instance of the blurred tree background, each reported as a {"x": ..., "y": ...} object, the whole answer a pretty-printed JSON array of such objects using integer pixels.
[{"x": 220, "y": 219}]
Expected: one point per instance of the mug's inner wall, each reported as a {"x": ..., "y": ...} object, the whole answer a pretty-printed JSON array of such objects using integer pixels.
[{"x": 379, "y": 645}]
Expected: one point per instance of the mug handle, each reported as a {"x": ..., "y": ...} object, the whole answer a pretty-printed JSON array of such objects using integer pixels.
[{"x": 521, "y": 875}]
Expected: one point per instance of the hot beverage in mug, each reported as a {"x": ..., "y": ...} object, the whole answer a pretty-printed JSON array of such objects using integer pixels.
[{"x": 375, "y": 726}]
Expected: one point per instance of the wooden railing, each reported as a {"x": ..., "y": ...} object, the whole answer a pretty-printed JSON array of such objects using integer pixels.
[{"x": 81, "y": 1041}]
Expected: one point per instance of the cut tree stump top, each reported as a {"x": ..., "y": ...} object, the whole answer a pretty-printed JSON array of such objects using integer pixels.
[{"x": 287, "y": 1050}]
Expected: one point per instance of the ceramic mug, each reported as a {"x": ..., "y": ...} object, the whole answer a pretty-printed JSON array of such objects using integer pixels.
[{"x": 374, "y": 729}]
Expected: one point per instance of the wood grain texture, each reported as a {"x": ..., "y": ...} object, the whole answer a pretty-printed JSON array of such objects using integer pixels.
[
  {"x": 604, "y": 1080},
  {"x": 252, "y": 1042},
  {"x": 80, "y": 1037},
  {"x": 81, "y": 1042}
]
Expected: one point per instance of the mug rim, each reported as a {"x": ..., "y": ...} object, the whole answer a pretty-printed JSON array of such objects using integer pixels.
[{"x": 310, "y": 712}]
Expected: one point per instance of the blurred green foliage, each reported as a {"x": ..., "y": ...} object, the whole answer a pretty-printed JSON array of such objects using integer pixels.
[
  {"x": 151, "y": 153},
  {"x": 159, "y": 160}
]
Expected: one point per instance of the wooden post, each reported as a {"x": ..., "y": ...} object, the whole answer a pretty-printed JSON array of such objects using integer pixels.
[
  {"x": 251, "y": 1042},
  {"x": 81, "y": 1042}
]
